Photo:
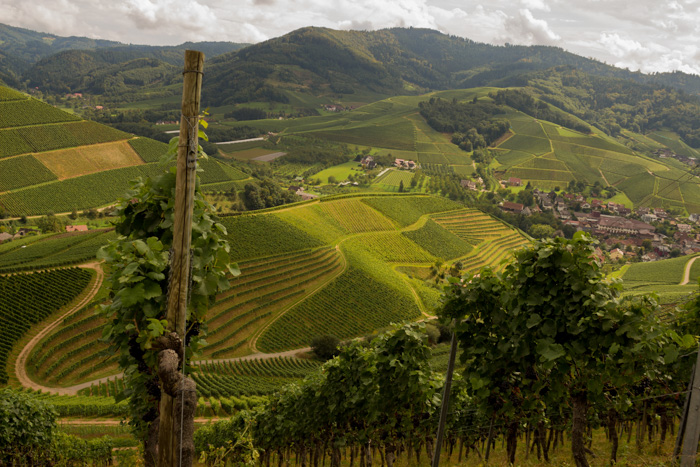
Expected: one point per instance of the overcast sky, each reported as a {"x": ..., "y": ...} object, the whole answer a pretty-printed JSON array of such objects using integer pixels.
[{"x": 646, "y": 35}]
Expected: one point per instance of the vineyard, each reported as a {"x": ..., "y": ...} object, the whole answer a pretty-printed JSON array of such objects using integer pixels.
[
  {"x": 439, "y": 241},
  {"x": 18, "y": 113},
  {"x": 407, "y": 210},
  {"x": 355, "y": 216},
  {"x": 355, "y": 303},
  {"x": 264, "y": 288},
  {"x": 26, "y": 299},
  {"x": 22, "y": 171},
  {"x": 250, "y": 377},
  {"x": 57, "y": 250},
  {"x": 72, "y": 353}
]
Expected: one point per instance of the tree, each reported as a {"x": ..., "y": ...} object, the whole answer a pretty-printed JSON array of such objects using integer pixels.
[
  {"x": 401, "y": 186},
  {"x": 541, "y": 230},
  {"x": 332, "y": 179},
  {"x": 51, "y": 223},
  {"x": 325, "y": 347}
]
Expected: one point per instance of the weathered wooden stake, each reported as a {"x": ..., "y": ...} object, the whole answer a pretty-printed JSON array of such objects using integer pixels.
[
  {"x": 168, "y": 441},
  {"x": 692, "y": 422},
  {"x": 445, "y": 400}
]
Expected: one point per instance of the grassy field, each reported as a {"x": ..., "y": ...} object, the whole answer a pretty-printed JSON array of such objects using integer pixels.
[{"x": 340, "y": 172}]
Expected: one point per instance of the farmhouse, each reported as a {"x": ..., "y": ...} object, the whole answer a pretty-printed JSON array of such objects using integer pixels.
[
  {"x": 509, "y": 206},
  {"x": 368, "y": 162},
  {"x": 513, "y": 181},
  {"x": 77, "y": 228},
  {"x": 5, "y": 236},
  {"x": 404, "y": 164}
]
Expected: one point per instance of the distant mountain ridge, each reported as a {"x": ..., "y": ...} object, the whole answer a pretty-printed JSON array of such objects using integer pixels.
[
  {"x": 389, "y": 62},
  {"x": 32, "y": 55}
]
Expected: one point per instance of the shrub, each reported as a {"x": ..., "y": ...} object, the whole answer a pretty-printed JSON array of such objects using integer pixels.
[
  {"x": 26, "y": 428},
  {"x": 325, "y": 347}
]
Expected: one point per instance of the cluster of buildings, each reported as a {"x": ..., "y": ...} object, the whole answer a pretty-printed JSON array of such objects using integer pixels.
[
  {"x": 615, "y": 224},
  {"x": 666, "y": 153},
  {"x": 474, "y": 185},
  {"x": 404, "y": 164}
]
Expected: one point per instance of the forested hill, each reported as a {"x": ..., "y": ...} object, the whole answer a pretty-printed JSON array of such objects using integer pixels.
[
  {"x": 388, "y": 62},
  {"x": 26, "y": 54}
]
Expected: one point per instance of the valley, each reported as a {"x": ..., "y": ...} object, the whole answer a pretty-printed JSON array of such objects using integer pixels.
[{"x": 355, "y": 176}]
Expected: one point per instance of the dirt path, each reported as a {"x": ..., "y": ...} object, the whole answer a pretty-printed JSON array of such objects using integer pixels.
[
  {"x": 114, "y": 422},
  {"x": 73, "y": 390},
  {"x": 21, "y": 363},
  {"x": 686, "y": 275}
]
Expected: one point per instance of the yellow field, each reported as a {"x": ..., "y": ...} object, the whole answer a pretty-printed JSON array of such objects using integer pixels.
[{"x": 69, "y": 163}]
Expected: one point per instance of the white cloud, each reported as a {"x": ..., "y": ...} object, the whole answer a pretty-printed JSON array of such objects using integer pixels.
[
  {"x": 647, "y": 34},
  {"x": 525, "y": 29},
  {"x": 535, "y": 5}
]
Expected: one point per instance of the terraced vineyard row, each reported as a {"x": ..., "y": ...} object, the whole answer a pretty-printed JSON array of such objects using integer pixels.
[
  {"x": 407, "y": 210},
  {"x": 76, "y": 193},
  {"x": 26, "y": 299},
  {"x": 493, "y": 251},
  {"x": 8, "y": 94},
  {"x": 72, "y": 353},
  {"x": 439, "y": 241},
  {"x": 250, "y": 377},
  {"x": 59, "y": 136},
  {"x": 262, "y": 289},
  {"x": 353, "y": 304},
  {"x": 15, "y": 113},
  {"x": 356, "y": 216},
  {"x": 471, "y": 225},
  {"x": 264, "y": 235},
  {"x": 23, "y": 171},
  {"x": 55, "y": 251},
  {"x": 392, "y": 247}
]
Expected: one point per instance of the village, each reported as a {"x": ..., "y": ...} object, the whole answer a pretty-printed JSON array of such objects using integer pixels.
[{"x": 626, "y": 235}]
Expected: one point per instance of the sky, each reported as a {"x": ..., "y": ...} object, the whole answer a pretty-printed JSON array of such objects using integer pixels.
[{"x": 646, "y": 35}]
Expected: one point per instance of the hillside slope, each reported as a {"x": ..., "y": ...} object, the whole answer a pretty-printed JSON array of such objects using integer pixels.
[
  {"x": 53, "y": 161},
  {"x": 323, "y": 61}
]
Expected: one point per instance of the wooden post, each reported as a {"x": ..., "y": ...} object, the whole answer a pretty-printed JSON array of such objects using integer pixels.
[
  {"x": 684, "y": 414},
  {"x": 168, "y": 441},
  {"x": 445, "y": 399},
  {"x": 692, "y": 423}
]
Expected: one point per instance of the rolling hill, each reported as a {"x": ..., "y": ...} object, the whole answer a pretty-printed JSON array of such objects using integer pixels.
[
  {"x": 53, "y": 161},
  {"x": 323, "y": 61},
  {"x": 345, "y": 266},
  {"x": 76, "y": 64},
  {"x": 537, "y": 151}
]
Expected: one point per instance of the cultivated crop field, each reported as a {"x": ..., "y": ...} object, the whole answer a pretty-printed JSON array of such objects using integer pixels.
[
  {"x": 393, "y": 179},
  {"x": 85, "y": 160}
]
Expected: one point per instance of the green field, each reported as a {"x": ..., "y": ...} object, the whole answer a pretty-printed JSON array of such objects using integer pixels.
[
  {"x": 340, "y": 172},
  {"x": 392, "y": 180}
]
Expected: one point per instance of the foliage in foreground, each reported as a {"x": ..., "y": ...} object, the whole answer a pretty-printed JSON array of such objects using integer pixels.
[
  {"x": 28, "y": 435},
  {"x": 139, "y": 263},
  {"x": 550, "y": 332},
  {"x": 548, "y": 347}
]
